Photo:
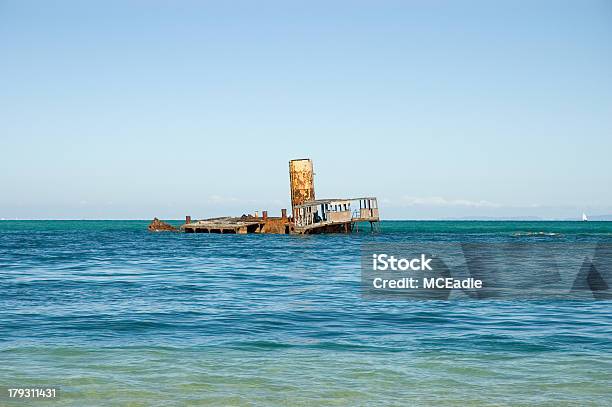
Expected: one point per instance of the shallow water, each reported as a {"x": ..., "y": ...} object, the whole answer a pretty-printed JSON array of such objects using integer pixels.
[{"x": 115, "y": 315}]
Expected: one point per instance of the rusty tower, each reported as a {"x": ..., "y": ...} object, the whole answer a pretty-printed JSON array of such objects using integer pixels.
[{"x": 301, "y": 179}]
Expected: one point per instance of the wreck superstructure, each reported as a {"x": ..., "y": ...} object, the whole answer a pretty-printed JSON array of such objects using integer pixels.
[
  {"x": 308, "y": 214},
  {"x": 335, "y": 215}
]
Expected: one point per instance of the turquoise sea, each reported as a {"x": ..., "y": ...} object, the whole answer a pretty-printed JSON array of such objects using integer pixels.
[{"x": 114, "y": 315}]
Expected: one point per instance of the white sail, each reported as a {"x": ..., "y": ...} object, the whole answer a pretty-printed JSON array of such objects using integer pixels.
[{"x": 584, "y": 217}]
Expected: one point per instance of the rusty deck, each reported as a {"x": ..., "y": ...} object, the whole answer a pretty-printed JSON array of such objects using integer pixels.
[{"x": 241, "y": 226}]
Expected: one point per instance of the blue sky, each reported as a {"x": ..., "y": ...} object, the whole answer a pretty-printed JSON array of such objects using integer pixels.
[{"x": 121, "y": 109}]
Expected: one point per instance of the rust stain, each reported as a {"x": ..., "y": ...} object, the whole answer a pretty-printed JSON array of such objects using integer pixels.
[{"x": 301, "y": 179}]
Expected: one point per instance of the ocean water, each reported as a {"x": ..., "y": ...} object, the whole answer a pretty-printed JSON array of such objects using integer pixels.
[{"x": 115, "y": 315}]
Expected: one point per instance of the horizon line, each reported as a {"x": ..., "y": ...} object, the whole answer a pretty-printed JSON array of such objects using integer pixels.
[{"x": 475, "y": 219}]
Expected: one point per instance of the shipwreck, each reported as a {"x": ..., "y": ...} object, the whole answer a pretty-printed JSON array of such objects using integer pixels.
[{"x": 308, "y": 214}]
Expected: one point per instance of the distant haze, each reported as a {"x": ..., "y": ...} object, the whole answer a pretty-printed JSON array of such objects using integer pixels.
[{"x": 442, "y": 110}]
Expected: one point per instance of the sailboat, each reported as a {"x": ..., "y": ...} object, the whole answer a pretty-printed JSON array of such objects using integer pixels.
[{"x": 584, "y": 217}]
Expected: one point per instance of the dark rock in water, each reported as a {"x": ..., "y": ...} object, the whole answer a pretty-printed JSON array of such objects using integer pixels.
[{"x": 157, "y": 225}]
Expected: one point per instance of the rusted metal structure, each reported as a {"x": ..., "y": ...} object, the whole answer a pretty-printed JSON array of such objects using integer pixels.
[
  {"x": 157, "y": 225},
  {"x": 309, "y": 215},
  {"x": 241, "y": 226},
  {"x": 301, "y": 182}
]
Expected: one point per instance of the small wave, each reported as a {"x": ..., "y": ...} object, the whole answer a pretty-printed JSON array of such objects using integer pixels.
[
  {"x": 323, "y": 345},
  {"x": 536, "y": 234}
]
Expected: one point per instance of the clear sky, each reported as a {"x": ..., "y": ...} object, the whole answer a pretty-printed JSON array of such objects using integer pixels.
[{"x": 119, "y": 109}]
